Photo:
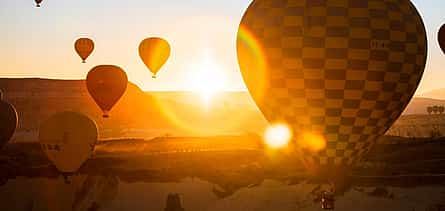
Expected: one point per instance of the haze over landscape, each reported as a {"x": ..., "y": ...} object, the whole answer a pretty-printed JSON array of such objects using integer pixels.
[{"x": 147, "y": 115}]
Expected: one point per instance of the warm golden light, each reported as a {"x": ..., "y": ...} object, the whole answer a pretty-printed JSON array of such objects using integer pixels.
[
  {"x": 207, "y": 79},
  {"x": 313, "y": 142},
  {"x": 277, "y": 136}
]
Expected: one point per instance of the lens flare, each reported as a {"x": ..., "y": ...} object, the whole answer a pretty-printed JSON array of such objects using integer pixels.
[
  {"x": 313, "y": 142},
  {"x": 252, "y": 58},
  {"x": 277, "y": 136}
]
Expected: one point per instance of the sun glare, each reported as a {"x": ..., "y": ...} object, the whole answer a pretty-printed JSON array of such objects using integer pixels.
[
  {"x": 313, "y": 142},
  {"x": 277, "y": 136},
  {"x": 207, "y": 78}
]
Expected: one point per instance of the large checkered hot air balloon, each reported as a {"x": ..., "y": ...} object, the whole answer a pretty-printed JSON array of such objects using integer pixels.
[{"x": 343, "y": 70}]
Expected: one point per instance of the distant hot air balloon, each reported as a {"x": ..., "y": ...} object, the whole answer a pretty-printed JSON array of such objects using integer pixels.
[
  {"x": 441, "y": 38},
  {"x": 154, "y": 52},
  {"x": 106, "y": 85},
  {"x": 8, "y": 121},
  {"x": 84, "y": 47},
  {"x": 38, "y": 2},
  {"x": 68, "y": 139},
  {"x": 337, "y": 72}
]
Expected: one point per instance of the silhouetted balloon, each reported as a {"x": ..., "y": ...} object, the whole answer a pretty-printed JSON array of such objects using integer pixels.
[
  {"x": 338, "y": 69},
  {"x": 441, "y": 38},
  {"x": 38, "y": 2},
  {"x": 154, "y": 52},
  {"x": 106, "y": 85},
  {"x": 68, "y": 139},
  {"x": 84, "y": 47},
  {"x": 8, "y": 121}
]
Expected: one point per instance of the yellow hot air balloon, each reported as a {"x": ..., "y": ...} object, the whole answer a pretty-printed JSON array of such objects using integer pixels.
[
  {"x": 154, "y": 52},
  {"x": 68, "y": 139},
  {"x": 84, "y": 47},
  {"x": 337, "y": 72}
]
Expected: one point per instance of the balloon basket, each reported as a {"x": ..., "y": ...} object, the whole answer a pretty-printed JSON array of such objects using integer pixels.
[
  {"x": 105, "y": 116},
  {"x": 153, "y": 76},
  {"x": 84, "y": 61},
  {"x": 38, "y": 5}
]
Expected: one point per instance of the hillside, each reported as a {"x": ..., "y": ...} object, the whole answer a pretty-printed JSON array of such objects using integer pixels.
[
  {"x": 418, "y": 105},
  {"x": 37, "y": 99},
  {"x": 138, "y": 114},
  {"x": 421, "y": 101},
  {"x": 153, "y": 114},
  {"x": 435, "y": 94},
  {"x": 418, "y": 125}
]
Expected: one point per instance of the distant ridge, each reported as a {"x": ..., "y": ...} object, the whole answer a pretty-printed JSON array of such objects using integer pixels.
[
  {"x": 138, "y": 114},
  {"x": 418, "y": 105},
  {"x": 434, "y": 94},
  {"x": 152, "y": 114},
  {"x": 37, "y": 99}
]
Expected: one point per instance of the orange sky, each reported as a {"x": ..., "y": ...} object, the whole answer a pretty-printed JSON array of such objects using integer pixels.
[{"x": 39, "y": 42}]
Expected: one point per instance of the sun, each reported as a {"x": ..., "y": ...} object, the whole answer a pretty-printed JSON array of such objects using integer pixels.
[
  {"x": 277, "y": 136},
  {"x": 207, "y": 79}
]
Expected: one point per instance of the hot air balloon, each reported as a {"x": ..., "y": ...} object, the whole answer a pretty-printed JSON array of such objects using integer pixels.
[
  {"x": 68, "y": 139},
  {"x": 337, "y": 72},
  {"x": 441, "y": 38},
  {"x": 38, "y": 2},
  {"x": 84, "y": 47},
  {"x": 154, "y": 52},
  {"x": 8, "y": 121},
  {"x": 106, "y": 85}
]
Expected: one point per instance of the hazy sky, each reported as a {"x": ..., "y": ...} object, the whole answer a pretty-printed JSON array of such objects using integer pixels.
[{"x": 38, "y": 42}]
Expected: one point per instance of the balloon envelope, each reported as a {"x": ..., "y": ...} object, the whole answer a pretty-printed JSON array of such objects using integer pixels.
[
  {"x": 38, "y": 2},
  {"x": 8, "y": 121},
  {"x": 68, "y": 139},
  {"x": 84, "y": 47},
  {"x": 441, "y": 37},
  {"x": 154, "y": 52},
  {"x": 106, "y": 85},
  {"x": 338, "y": 69}
]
